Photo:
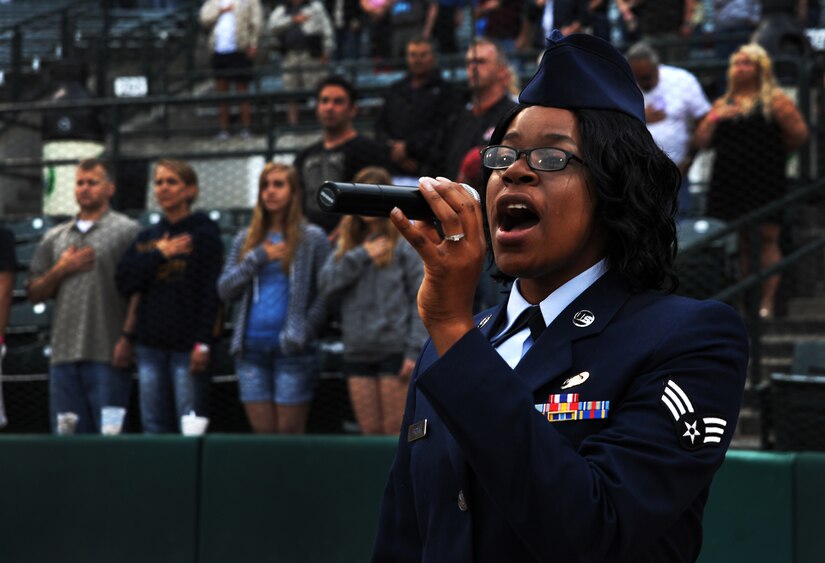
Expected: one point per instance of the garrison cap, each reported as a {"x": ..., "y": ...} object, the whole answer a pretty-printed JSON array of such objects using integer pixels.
[{"x": 580, "y": 71}]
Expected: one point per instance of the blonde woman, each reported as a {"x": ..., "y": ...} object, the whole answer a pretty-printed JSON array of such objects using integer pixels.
[
  {"x": 752, "y": 127},
  {"x": 273, "y": 269},
  {"x": 376, "y": 275}
]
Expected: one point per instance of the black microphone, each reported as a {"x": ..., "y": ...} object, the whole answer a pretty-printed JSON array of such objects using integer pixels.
[{"x": 377, "y": 200}]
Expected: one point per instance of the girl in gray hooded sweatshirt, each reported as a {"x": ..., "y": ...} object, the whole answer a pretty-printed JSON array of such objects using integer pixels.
[{"x": 375, "y": 275}]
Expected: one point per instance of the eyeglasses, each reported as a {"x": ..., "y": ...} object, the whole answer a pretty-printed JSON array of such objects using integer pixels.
[{"x": 542, "y": 159}]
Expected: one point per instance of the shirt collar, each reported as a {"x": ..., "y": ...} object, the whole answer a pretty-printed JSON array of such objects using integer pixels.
[
  {"x": 557, "y": 301},
  {"x": 97, "y": 222}
]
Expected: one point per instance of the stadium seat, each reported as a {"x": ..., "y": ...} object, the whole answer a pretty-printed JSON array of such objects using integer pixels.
[
  {"x": 20, "y": 278},
  {"x": 31, "y": 229},
  {"x": 703, "y": 271},
  {"x": 25, "y": 252},
  {"x": 691, "y": 231},
  {"x": 26, "y": 317},
  {"x": 226, "y": 239},
  {"x": 147, "y": 218},
  {"x": 241, "y": 217},
  {"x": 27, "y": 358},
  {"x": 224, "y": 219}
]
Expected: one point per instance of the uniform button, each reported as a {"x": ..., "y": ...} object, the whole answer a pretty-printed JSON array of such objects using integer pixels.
[{"x": 462, "y": 503}]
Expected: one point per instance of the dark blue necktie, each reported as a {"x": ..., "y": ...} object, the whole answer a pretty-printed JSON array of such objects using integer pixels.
[{"x": 531, "y": 317}]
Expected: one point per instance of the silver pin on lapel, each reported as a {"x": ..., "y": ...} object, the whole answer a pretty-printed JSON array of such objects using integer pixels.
[
  {"x": 583, "y": 318},
  {"x": 484, "y": 321},
  {"x": 577, "y": 379}
]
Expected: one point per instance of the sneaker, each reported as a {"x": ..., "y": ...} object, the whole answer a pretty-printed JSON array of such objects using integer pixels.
[
  {"x": 244, "y": 134},
  {"x": 223, "y": 135}
]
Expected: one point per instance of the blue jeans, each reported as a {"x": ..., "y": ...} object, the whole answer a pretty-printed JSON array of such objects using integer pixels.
[
  {"x": 168, "y": 390},
  {"x": 265, "y": 375},
  {"x": 84, "y": 388}
]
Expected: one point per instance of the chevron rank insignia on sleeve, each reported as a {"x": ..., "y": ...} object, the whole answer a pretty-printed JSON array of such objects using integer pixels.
[{"x": 693, "y": 430}]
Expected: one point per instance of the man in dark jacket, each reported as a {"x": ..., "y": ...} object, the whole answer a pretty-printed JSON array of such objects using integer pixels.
[
  {"x": 489, "y": 76},
  {"x": 414, "y": 113}
]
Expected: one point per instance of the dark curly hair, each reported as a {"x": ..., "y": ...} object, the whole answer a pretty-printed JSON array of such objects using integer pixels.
[{"x": 636, "y": 187}]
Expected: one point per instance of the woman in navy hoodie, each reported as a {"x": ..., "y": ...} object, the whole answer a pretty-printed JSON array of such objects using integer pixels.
[{"x": 173, "y": 266}]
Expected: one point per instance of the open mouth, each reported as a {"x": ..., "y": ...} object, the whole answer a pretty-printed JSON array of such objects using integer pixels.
[{"x": 516, "y": 217}]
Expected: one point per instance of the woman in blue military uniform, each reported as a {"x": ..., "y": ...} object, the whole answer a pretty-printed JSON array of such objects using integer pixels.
[{"x": 591, "y": 431}]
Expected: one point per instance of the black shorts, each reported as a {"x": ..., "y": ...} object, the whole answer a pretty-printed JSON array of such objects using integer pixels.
[
  {"x": 388, "y": 365},
  {"x": 234, "y": 67}
]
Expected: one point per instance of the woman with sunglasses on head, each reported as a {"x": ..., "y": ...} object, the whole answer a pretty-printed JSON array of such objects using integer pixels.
[
  {"x": 376, "y": 275},
  {"x": 583, "y": 419},
  {"x": 273, "y": 269},
  {"x": 752, "y": 128}
]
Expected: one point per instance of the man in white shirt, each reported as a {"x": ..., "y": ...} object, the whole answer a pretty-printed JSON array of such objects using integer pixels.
[
  {"x": 233, "y": 27},
  {"x": 674, "y": 103}
]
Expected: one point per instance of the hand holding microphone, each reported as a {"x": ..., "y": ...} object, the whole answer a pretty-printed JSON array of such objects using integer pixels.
[{"x": 377, "y": 200}]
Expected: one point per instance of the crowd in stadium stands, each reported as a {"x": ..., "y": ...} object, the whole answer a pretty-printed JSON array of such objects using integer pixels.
[{"x": 154, "y": 296}]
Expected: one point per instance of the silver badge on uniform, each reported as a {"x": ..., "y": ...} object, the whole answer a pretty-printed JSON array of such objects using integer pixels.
[
  {"x": 577, "y": 379},
  {"x": 417, "y": 430},
  {"x": 583, "y": 318}
]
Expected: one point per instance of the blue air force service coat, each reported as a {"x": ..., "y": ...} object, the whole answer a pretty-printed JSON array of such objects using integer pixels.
[{"x": 487, "y": 470}]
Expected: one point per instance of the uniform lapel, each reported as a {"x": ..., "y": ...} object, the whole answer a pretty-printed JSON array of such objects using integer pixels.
[
  {"x": 490, "y": 321},
  {"x": 552, "y": 355}
]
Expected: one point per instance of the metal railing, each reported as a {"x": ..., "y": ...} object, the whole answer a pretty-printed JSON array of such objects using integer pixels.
[{"x": 749, "y": 287}]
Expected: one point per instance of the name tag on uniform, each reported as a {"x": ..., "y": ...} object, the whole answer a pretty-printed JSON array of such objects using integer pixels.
[{"x": 417, "y": 430}]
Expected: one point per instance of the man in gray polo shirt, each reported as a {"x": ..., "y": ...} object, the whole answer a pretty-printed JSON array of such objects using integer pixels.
[{"x": 75, "y": 265}]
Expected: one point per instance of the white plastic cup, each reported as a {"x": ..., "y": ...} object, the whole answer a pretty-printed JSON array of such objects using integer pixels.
[
  {"x": 66, "y": 423},
  {"x": 111, "y": 420},
  {"x": 193, "y": 425}
]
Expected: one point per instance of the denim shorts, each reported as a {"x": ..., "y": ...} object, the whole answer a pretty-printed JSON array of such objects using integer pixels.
[
  {"x": 266, "y": 375},
  {"x": 382, "y": 366}
]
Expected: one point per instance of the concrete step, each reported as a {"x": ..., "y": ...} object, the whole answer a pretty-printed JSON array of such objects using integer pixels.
[
  {"x": 807, "y": 308},
  {"x": 779, "y": 336},
  {"x": 782, "y": 345},
  {"x": 795, "y": 325}
]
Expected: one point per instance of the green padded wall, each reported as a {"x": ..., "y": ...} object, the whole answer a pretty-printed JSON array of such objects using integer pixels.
[
  {"x": 750, "y": 512},
  {"x": 95, "y": 499},
  {"x": 291, "y": 499},
  {"x": 810, "y": 500},
  {"x": 240, "y": 498}
]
